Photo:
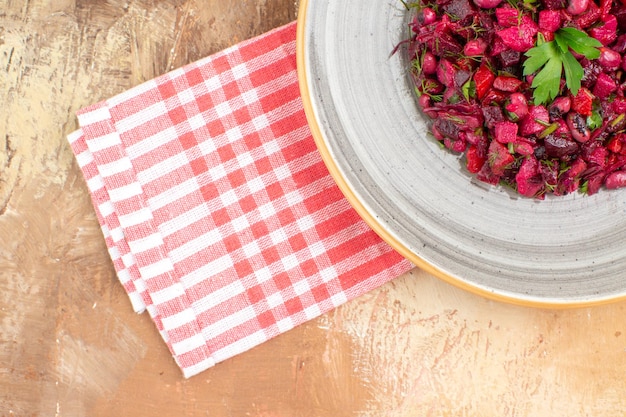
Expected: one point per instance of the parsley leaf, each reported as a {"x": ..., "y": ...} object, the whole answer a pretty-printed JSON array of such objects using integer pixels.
[
  {"x": 573, "y": 72},
  {"x": 554, "y": 58},
  {"x": 579, "y": 41},
  {"x": 546, "y": 89},
  {"x": 539, "y": 55}
]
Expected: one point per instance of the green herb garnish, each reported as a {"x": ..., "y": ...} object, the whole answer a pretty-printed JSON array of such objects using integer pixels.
[
  {"x": 554, "y": 58},
  {"x": 469, "y": 89},
  {"x": 594, "y": 121}
]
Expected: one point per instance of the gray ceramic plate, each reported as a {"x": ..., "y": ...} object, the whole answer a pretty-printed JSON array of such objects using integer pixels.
[{"x": 565, "y": 251}]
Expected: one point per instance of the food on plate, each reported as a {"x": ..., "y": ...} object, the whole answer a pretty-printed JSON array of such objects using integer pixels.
[{"x": 529, "y": 92}]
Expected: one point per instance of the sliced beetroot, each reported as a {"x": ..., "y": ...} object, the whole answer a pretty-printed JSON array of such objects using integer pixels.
[
  {"x": 475, "y": 47},
  {"x": 446, "y": 72},
  {"x": 507, "y": 16},
  {"x": 505, "y": 132},
  {"x": 583, "y": 102},
  {"x": 594, "y": 179},
  {"x": 440, "y": 42},
  {"x": 519, "y": 38},
  {"x": 459, "y": 9},
  {"x": 447, "y": 128},
  {"x": 509, "y": 57},
  {"x": 609, "y": 59},
  {"x": 598, "y": 156},
  {"x": 604, "y": 86},
  {"x": 569, "y": 181},
  {"x": 591, "y": 70},
  {"x": 590, "y": 17},
  {"x": 517, "y": 106},
  {"x": 550, "y": 171},
  {"x": 615, "y": 180},
  {"x": 549, "y": 20},
  {"x": 554, "y": 4},
  {"x": 576, "y": 7},
  {"x": 487, "y": 4},
  {"x": 492, "y": 115},
  {"x": 606, "y": 33},
  {"x": 620, "y": 44},
  {"x": 474, "y": 160},
  {"x": 535, "y": 121},
  {"x": 506, "y": 83},
  {"x": 620, "y": 15},
  {"x": 529, "y": 180},
  {"x": 487, "y": 175},
  {"x": 619, "y": 105},
  {"x": 483, "y": 79},
  {"x": 457, "y": 146},
  {"x": 523, "y": 147},
  {"x": 499, "y": 157},
  {"x": 494, "y": 97},
  {"x": 461, "y": 77},
  {"x": 616, "y": 162}
]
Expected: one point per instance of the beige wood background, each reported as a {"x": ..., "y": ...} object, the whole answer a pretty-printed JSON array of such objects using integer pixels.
[{"x": 71, "y": 346}]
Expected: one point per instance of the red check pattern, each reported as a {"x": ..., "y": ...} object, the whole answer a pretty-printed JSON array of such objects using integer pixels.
[{"x": 220, "y": 217}]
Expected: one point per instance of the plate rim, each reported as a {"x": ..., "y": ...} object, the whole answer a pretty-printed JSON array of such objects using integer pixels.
[{"x": 370, "y": 219}]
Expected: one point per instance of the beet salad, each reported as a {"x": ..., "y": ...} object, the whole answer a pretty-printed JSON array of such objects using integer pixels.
[{"x": 530, "y": 93}]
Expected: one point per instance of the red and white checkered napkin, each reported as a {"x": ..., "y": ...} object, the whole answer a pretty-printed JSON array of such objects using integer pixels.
[{"x": 220, "y": 217}]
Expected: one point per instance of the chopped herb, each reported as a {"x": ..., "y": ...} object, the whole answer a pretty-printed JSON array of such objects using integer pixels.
[
  {"x": 594, "y": 121},
  {"x": 469, "y": 90},
  {"x": 584, "y": 187}
]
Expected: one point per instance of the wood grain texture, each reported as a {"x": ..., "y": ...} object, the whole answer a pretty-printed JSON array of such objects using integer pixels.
[{"x": 71, "y": 346}]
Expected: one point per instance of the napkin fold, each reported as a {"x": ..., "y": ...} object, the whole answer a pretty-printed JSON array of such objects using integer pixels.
[{"x": 218, "y": 212}]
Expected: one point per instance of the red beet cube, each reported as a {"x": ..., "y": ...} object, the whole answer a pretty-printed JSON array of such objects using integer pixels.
[
  {"x": 528, "y": 178},
  {"x": 554, "y": 4},
  {"x": 483, "y": 78},
  {"x": 519, "y": 38},
  {"x": 505, "y": 132},
  {"x": 604, "y": 86},
  {"x": 507, "y": 16},
  {"x": 509, "y": 84},
  {"x": 616, "y": 179},
  {"x": 474, "y": 161},
  {"x": 607, "y": 32},
  {"x": 583, "y": 102},
  {"x": 446, "y": 72},
  {"x": 619, "y": 105},
  {"x": 523, "y": 147},
  {"x": 529, "y": 125},
  {"x": 549, "y": 20},
  {"x": 499, "y": 157}
]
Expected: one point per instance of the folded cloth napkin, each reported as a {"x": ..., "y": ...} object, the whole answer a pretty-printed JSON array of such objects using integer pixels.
[{"x": 220, "y": 217}]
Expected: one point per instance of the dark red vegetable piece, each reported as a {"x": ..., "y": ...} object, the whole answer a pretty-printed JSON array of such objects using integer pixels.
[
  {"x": 459, "y": 9},
  {"x": 499, "y": 157},
  {"x": 583, "y": 102},
  {"x": 558, "y": 147},
  {"x": 529, "y": 179},
  {"x": 506, "y": 83},
  {"x": 474, "y": 161},
  {"x": 483, "y": 79},
  {"x": 554, "y": 4}
]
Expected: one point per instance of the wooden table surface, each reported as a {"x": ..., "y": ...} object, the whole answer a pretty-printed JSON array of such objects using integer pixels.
[{"x": 71, "y": 346}]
